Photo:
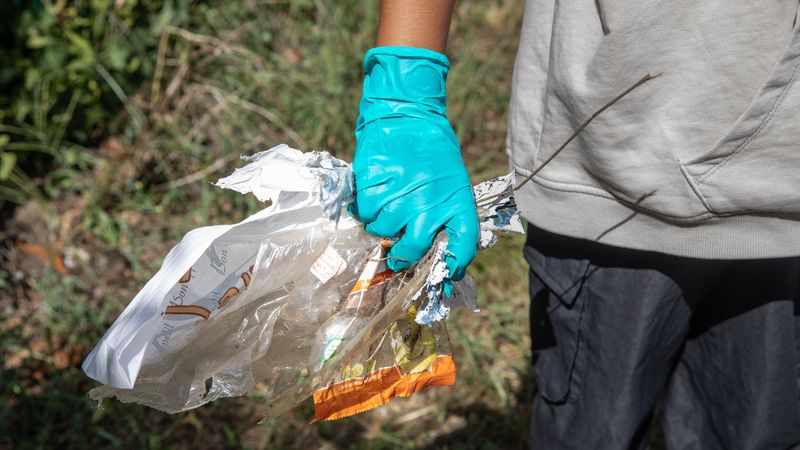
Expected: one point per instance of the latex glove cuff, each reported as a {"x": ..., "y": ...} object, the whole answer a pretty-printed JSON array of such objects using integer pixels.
[{"x": 403, "y": 82}]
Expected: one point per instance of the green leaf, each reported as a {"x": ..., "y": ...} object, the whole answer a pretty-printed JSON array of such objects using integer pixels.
[
  {"x": 133, "y": 65},
  {"x": 36, "y": 40},
  {"x": 84, "y": 47},
  {"x": 8, "y": 161},
  {"x": 116, "y": 55},
  {"x": 164, "y": 18}
]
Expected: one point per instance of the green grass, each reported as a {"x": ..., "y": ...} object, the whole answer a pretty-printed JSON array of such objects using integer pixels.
[{"x": 238, "y": 78}]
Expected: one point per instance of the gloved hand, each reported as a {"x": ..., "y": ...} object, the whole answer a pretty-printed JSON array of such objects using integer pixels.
[{"x": 409, "y": 174}]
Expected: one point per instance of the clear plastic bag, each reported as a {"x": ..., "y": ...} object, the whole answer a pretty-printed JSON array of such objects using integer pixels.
[{"x": 297, "y": 297}]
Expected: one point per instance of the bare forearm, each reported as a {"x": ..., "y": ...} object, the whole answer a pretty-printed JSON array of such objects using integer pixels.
[{"x": 415, "y": 23}]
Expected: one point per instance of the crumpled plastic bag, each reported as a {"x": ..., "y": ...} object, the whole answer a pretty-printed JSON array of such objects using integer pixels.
[{"x": 296, "y": 298}]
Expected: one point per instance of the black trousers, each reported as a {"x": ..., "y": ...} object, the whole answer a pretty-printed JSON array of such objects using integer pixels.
[{"x": 615, "y": 330}]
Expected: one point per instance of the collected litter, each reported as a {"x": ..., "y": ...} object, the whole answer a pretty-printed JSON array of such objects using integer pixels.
[{"x": 297, "y": 298}]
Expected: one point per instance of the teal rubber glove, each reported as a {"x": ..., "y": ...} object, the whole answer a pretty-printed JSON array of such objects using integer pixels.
[{"x": 409, "y": 174}]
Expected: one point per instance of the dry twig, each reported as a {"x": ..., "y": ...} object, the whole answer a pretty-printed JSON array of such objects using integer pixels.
[{"x": 577, "y": 131}]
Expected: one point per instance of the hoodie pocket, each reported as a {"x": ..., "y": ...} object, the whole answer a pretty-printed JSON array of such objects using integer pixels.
[{"x": 755, "y": 168}]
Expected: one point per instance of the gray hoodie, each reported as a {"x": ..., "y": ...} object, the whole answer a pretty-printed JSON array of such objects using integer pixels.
[{"x": 703, "y": 161}]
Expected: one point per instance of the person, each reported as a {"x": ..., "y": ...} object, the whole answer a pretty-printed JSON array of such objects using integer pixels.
[{"x": 663, "y": 243}]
